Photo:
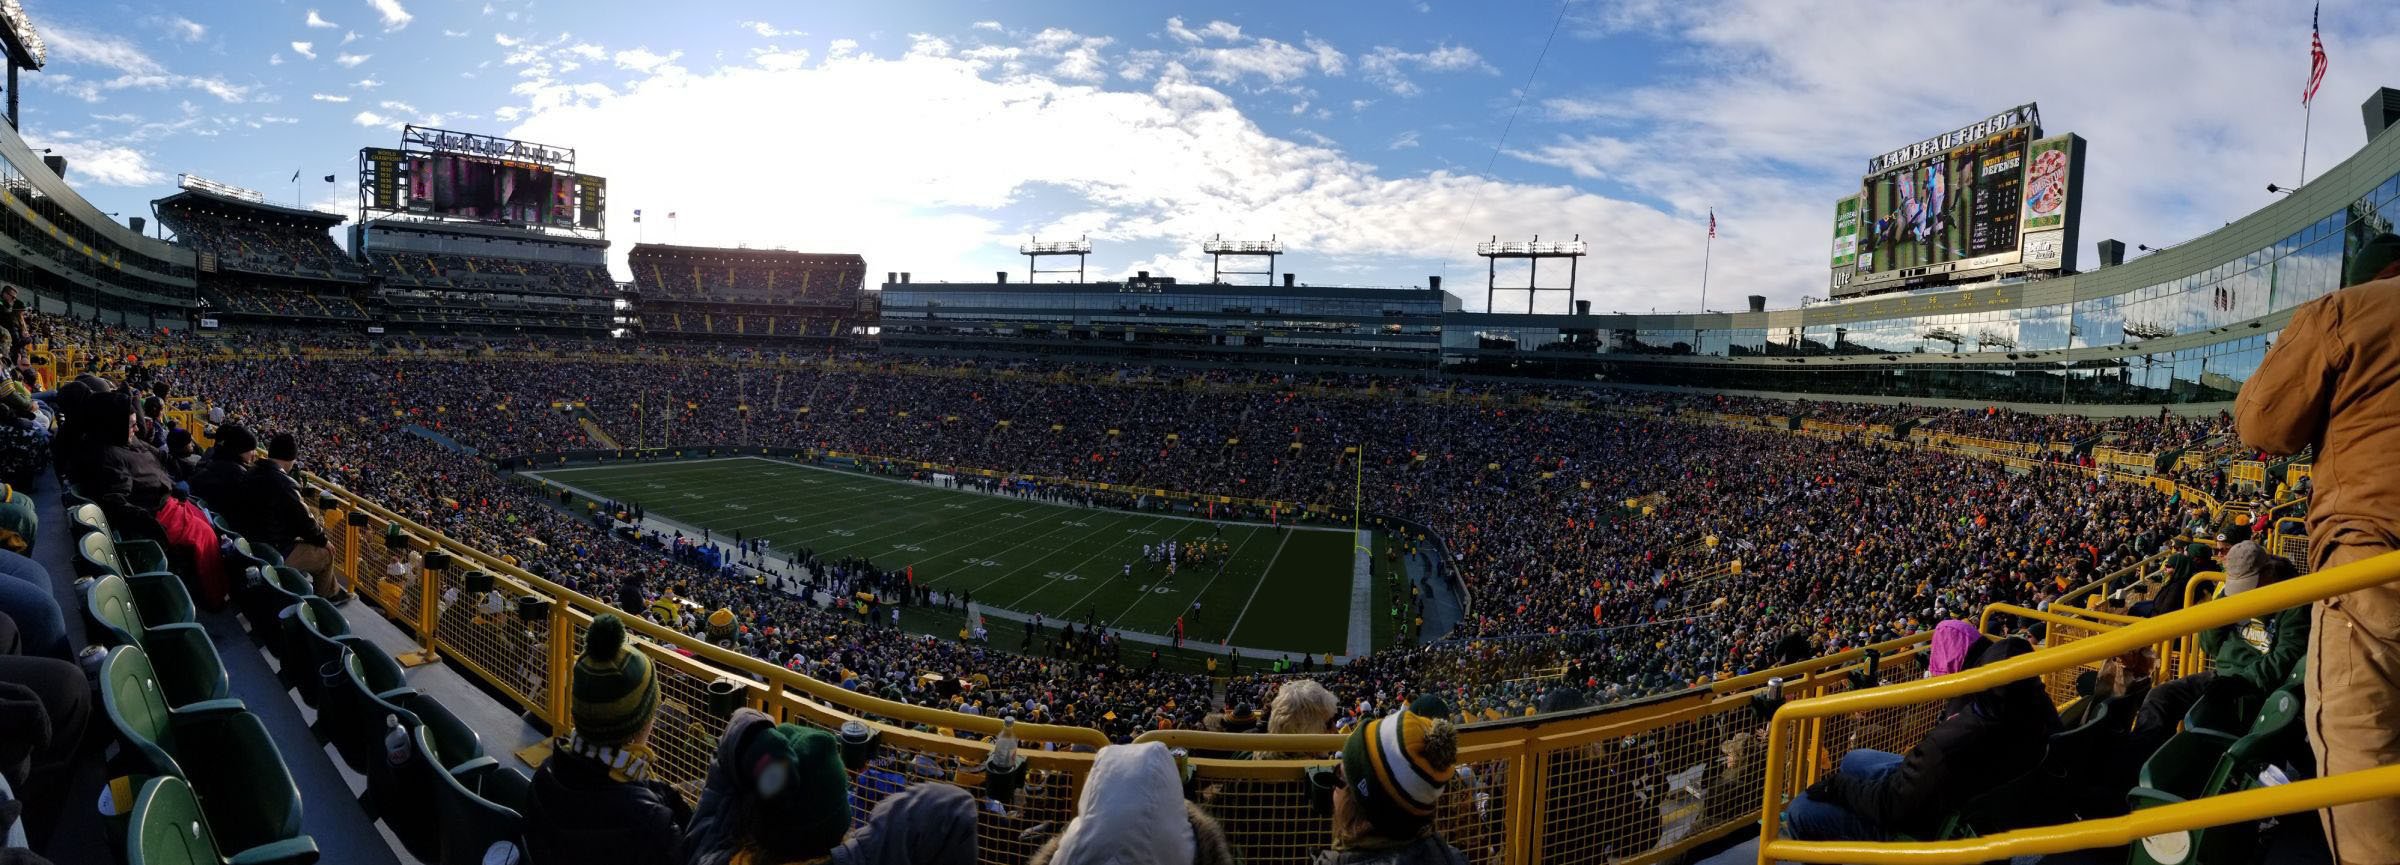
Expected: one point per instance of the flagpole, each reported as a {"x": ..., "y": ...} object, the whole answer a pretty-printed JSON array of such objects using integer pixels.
[
  {"x": 1706, "y": 251},
  {"x": 2308, "y": 111}
]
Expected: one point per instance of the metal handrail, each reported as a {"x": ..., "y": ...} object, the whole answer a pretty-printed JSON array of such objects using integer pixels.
[{"x": 2266, "y": 600}]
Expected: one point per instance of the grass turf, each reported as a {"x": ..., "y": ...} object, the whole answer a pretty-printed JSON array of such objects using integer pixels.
[{"x": 1283, "y": 590}]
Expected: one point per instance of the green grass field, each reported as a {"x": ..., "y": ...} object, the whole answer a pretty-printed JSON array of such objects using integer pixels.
[{"x": 1280, "y": 590}]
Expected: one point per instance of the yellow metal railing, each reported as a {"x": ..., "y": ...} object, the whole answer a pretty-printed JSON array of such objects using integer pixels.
[{"x": 1791, "y": 736}]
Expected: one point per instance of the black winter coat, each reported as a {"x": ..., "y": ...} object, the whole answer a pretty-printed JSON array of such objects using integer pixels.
[{"x": 577, "y": 814}]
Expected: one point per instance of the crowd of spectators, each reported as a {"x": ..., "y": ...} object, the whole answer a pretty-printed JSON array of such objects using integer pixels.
[
  {"x": 259, "y": 245},
  {"x": 492, "y": 274},
  {"x": 1565, "y": 580}
]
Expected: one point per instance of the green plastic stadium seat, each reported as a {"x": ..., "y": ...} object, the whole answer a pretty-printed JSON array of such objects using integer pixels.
[
  {"x": 348, "y": 715},
  {"x": 263, "y": 603},
  {"x": 168, "y": 828},
  {"x": 187, "y": 663},
  {"x": 161, "y": 594},
  {"x": 2276, "y": 733},
  {"x": 404, "y": 793},
  {"x": 138, "y": 555},
  {"x": 313, "y": 653},
  {"x": 218, "y": 747},
  {"x": 481, "y": 809},
  {"x": 2226, "y": 707},
  {"x": 2183, "y": 769}
]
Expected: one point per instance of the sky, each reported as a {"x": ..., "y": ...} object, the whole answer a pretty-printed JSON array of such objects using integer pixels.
[{"x": 1378, "y": 141}]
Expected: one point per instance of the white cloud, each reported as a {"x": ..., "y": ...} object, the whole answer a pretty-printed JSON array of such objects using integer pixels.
[
  {"x": 454, "y": 34},
  {"x": 645, "y": 60},
  {"x": 1403, "y": 141},
  {"x": 368, "y": 83},
  {"x": 1389, "y": 67},
  {"x": 305, "y": 49},
  {"x": 506, "y": 41},
  {"x": 1329, "y": 58},
  {"x": 394, "y": 15},
  {"x": 1142, "y": 172},
  {"x": 318, "y": 21},
  {"x": 186, "y": 29},
  {"x": 993, "y": 26},
  {"x": 349, "y": 37},
  {"x": 351, "y": 61},
  {"x": 369, "y": 118},
  {"x": 1777, "y": 123},
  {"x": 396, "y": 105},
  {"x": 110, "y": 52},
  {"x": 1181, "y": 33},
  {"x": 329, "y": 97},
  {"x": 275, "y": 59},
  {"x": 770, "y": 31},
  {"x": 102, "y": 164}
]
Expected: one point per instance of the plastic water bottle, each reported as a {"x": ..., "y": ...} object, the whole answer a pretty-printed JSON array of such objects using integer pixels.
[
  {"x": 395, "y": 740},
  {"x": 1004, "y": 747}
]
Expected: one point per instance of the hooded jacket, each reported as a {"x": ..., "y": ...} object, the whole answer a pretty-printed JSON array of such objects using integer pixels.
[
  {"x": 1984, "y": 740},
  {"x": 1132, "y": 813},
  {"x": 923, "y": 824},
  {"x": 1953, "y": 646}
]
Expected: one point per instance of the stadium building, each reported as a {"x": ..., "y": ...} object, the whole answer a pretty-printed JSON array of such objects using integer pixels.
[
  {"x": 1156, "y": 319},
  {"x": 71, "y": 258},
  {"x": 262, "y": 263},
  {"x": 749, "y": 294}
]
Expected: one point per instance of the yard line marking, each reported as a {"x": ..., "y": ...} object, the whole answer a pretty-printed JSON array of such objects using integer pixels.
[
  {"x": 1013, "y": 571},
  {"x": 1230, "y": 558},
  {"x": 1262, "y": 582},
  {"x": 1096, "y": 584}
]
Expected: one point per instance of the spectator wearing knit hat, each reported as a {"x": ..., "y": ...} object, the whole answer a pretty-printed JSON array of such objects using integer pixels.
[
  {"x": 1132, "y": 810},
  {"x": 273, "y": 512},
  {"x": 218, "y": 480},
  {"x": 1393, "y": 772},
  {"x": 594, "y": 799},
  {"x": 780, "y": 794}
]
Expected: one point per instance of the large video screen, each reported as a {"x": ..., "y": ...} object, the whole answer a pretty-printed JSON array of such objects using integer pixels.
[
  {"x": 1953, "y": 206},
  {"x": 449, "y": 185}
]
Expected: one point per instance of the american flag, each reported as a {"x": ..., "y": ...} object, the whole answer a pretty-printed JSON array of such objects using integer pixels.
[
  {"x": 1712, "y": 223},
  {"x": 2316, "y": 58}
]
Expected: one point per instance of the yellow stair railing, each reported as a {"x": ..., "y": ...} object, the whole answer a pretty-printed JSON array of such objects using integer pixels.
[{"x": 1794, "y": 746}]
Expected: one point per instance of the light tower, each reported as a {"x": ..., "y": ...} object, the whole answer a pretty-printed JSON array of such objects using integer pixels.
[
  {"x": 1218, "y": 248},
  {"x": 1533, "y": 252},
  {"x": 1035, "y": 250}
]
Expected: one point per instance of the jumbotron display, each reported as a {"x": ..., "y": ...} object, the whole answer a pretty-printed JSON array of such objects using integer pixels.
[
  {"x": 458, "y": 175},
  {"x": 1985, "y": 198}
]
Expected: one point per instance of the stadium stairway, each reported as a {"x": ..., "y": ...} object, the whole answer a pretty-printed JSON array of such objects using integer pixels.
[{"x": 591, "y": 427}]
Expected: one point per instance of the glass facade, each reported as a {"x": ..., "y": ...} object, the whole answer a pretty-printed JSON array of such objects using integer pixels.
[{"x": 2303, "y": 266}]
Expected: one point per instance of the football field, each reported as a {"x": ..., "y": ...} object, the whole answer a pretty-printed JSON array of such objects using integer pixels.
[{"x": 1285, "y": 590}]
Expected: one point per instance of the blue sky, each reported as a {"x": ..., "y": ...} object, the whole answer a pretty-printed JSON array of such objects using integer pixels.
[{"x": 934, "y": 137}]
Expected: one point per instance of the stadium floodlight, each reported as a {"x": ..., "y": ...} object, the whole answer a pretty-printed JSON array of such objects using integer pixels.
[
  {"x": 1533, "y": 251},
  {"x": 1219, "y": 246},
  {"x": 2282, "y": 189},
  {"x": 196, "y": 183},
  {"x": 1060, "y": 247}
]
